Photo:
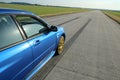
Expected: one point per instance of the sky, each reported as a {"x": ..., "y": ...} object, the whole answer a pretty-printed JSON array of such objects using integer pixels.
[{"x": 98, "y": 4}]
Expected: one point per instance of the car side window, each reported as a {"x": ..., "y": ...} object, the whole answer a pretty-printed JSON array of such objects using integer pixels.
[
  {"x": 30, "y": 25},
  {"x": 9, "y": 32}
]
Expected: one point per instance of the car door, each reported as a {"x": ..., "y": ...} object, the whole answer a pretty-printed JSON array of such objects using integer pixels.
[
  {"x": 15, "y": 53},
  {"x": 43, "y": 42}
]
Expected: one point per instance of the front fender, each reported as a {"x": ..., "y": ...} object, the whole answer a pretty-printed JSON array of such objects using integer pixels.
[{"x": 60, "y": 33}]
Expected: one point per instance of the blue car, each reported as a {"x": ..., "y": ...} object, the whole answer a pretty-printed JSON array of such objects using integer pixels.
[{"x": 27, "y": 43}]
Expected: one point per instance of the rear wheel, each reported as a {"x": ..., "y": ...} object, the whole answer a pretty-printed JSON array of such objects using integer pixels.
[{"x": 61, "y": 44}]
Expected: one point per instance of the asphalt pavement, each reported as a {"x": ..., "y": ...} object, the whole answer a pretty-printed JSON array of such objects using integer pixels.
[{"x": 92, "y": 50}]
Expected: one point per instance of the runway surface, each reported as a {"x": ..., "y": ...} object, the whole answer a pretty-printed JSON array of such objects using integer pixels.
[{"x": 92, "y": 49}]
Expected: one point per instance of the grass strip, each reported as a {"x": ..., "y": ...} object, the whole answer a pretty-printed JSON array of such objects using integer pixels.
[
  {"x": 43, "y": 10},
  {"x": 114, "y": 15}
]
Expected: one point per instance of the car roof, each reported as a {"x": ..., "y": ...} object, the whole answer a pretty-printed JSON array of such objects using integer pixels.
[{"x": 14, "y": 11}]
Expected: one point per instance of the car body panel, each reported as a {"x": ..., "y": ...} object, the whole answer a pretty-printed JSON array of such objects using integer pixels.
[
  {"x": 15, "y": 61},
  {"x": 60, "y": 33},
  {"x": 43, "y": 45},
  {"x": 24, "y": 59},
  {"x": 13, "y": 11},
  {"x": 39, "y": 66}
]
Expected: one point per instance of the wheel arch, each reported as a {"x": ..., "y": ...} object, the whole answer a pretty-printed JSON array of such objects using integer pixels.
[{"x": 64, "y": 35}]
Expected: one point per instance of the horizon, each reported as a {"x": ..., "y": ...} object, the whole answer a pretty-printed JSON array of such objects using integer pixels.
[{"x": 70, "y": 4}]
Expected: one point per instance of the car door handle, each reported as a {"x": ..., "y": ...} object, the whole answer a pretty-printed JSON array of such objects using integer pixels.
[{"x": 37, "y": 42}]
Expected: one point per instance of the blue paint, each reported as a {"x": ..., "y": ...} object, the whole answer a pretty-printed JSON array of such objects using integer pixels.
[{"x": 24, "y": 59}]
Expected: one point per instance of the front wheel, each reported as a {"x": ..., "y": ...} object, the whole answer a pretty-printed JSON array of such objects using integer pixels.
[{"x": 61, "y": 44}]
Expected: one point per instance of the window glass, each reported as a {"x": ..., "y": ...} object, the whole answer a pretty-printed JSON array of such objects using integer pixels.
[
  {"x": 9, "y": 32},
  {"x": 30, "y": 25}
]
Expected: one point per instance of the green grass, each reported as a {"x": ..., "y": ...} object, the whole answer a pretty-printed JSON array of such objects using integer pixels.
[
  {"x": 113, "y": 14},
  {"x": 116, "y": 13},
  {"x": 42, "y": 10}
]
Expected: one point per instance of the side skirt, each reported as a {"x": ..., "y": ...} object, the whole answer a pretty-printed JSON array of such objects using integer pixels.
[{"x": 39, "y": 66}]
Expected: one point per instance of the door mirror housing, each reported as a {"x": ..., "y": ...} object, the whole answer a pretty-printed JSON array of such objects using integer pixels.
[
  {"x": 53, "y": 28},
  {"x": 43, "y": 30}
]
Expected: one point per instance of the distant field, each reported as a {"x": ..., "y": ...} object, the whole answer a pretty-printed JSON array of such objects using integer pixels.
[
  {"x": 42, "y": 10},
  {"x": 114, "y": 14}
]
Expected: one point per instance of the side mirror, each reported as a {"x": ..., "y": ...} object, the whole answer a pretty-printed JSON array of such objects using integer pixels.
[{"x": 53, "y": 28}]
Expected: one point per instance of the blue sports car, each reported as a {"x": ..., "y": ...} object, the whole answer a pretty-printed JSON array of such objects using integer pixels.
[{"x": 27, "y": 43}]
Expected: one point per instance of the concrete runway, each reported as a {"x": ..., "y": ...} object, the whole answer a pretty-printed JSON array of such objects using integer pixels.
[{"x": 92, "y": 50}]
